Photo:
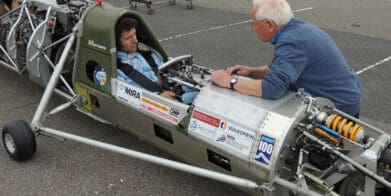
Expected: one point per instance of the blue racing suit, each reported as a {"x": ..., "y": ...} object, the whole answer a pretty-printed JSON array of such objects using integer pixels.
[{"x": 141, "y": 65}]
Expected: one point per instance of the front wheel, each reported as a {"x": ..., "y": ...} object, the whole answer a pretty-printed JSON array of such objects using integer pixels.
[{"x": 19, "y": 140}]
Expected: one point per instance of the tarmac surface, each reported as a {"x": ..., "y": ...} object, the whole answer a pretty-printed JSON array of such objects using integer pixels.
[{"x": 217, "y": 33}]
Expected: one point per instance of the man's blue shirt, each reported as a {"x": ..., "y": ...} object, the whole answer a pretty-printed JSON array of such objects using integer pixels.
[{"x": 306, "y": 57}]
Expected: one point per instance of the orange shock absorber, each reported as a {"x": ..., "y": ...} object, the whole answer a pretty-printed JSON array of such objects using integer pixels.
[
  {"x": 330, "y": 120},
  {"x": 342, "y": 125},
  {"x": 335, "y": 123},
  {"x": 355, "y": 131},
  {"x": 345, "y": 128}
]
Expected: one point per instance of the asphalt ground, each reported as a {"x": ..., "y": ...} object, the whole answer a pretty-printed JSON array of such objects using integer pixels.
[{"x": 217, "y": 35}]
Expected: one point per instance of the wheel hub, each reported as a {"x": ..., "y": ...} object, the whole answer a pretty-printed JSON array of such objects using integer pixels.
[{"x": 9, "y": 143}]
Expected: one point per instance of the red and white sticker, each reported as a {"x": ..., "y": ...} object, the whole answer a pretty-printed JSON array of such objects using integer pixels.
[
  {"x": 203, "y": 124},
  {"x": 160, "y": 110}
]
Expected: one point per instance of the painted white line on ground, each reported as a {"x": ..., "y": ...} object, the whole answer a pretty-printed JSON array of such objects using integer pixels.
[
  {"x": 373, "y": 65},
  {"x": 218, "y": 27}
]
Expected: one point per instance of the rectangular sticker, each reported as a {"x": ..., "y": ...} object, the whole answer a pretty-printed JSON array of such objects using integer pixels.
[
  {"x": 206, "y": 118},
  {"x": 129, "y": 94},
  {"x": 234, "y": 137},
  {"x": 161, "y": 110},
  {"x": 203, "y": 124},
  {"x": 265, "y": 149}
]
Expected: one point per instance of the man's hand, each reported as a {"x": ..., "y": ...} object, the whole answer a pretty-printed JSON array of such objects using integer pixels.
[
  {"x": 221, "y": 78},
  {"x": 168, "y": 94},
  {"x": 239, "y": 70}
]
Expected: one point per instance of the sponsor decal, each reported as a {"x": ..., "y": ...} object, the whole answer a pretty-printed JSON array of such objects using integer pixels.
[
  {"x": 206, "y": 118},
  {"x": 235, "y": 138},
  {"x": 265, "y": 149},
  {"x": 223, "y": 125},
  {"x": 193, "y": 125},
  {"x": 203, "y": 124},
  {"x": 175, "y": 111},
  {"x": 161, "y": 110},
  {"x": 128, "y": 93},
  {"x": 161, "y": 114},
  {"x": 240, "y": 131},
  {"x": 201, "y": 128},
  {"x": 95, "y": 45},
  {"x": 158, "y": 106},
  {"x": 221, "y": 138}
]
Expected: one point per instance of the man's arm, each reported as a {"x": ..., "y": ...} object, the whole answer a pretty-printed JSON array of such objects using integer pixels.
[
  {"x": 245, "y": 86},
  {"x": 249, "y": 87}
]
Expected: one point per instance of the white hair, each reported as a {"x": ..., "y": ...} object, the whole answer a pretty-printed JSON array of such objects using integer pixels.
[{"x": 278, "y": 11}]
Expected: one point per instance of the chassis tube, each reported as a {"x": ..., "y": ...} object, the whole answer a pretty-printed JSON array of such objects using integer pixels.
[
  {"x": 154, "y": 159},
  {"x": 295, "y": 187},
  {"x": 51, "y": 85},
  {"x": 8, "y": 66},
  {"x": 15, "y": 68},
  {"x": 345, "y": 158}
]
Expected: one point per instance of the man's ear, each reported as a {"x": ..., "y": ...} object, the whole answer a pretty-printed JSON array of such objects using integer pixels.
[{"x": 272, "y": 26}]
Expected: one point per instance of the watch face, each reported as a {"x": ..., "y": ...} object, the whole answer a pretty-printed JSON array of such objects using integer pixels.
[{"x": 232, "y": 83}]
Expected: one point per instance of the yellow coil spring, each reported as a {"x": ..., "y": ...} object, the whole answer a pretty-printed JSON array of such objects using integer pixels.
[{"x": 345, "y": 128}]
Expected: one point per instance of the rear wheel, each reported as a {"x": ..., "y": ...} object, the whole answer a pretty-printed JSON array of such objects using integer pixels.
[
  {"x": 385, "y": 159},
  {"x": 19, "y": 140},
  {"x": 384, "y": 169},
  {"x": 352, "y": 185}
]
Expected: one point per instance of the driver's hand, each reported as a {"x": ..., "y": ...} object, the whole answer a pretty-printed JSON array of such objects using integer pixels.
[
  {"x": 168, "y": 94},
  {"x": 239, "y": 70}
]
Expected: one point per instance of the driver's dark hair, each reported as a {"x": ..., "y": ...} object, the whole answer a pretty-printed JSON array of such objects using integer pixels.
[{"x": 124, "y": 24}]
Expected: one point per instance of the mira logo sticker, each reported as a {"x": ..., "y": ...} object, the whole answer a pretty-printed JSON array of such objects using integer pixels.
[
  {"x": 265, "y": 149},
  {"x": 129, "y": 94}
]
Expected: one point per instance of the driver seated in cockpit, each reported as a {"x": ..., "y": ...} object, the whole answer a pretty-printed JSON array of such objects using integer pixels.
[{"x": 139, "y": 68}]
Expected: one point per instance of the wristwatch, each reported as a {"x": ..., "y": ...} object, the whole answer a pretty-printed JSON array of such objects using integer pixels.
[{"x": 232, "y": 83}]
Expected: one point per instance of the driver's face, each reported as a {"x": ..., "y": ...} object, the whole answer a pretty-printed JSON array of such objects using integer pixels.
[{"x": 129, "y": 40}]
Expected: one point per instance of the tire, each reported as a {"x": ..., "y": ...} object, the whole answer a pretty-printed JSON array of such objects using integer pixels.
[
  {"x": 351, "y": 185},
  {"x": 19, "y": 140},
  {"x": 384, "y": 164},
  {"x": 385, "y": 159}
]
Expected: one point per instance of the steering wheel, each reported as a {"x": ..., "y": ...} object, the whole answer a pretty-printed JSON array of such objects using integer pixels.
[{"x": 177, "y": 61}]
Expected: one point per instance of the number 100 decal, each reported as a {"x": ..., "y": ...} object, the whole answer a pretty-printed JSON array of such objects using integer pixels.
[{"x": 265, "y": 149}]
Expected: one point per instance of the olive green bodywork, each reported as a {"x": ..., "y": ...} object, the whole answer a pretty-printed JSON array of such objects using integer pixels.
[{"x": 98, "y": 43}]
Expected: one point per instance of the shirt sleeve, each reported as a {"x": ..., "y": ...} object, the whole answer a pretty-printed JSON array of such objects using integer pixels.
[
  {"x": 290, "y": 60},
  {"x": 158, "y": 60}
]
